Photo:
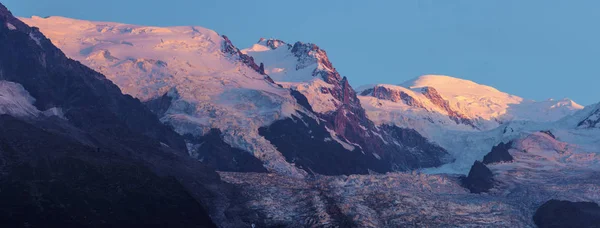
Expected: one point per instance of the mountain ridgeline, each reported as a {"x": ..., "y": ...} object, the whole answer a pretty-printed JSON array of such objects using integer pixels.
[
  {"x": 105, "y": 124},
  {"x": 242, "y": 102}
]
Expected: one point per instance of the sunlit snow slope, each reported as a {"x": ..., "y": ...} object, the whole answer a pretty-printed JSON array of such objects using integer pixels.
[
  {"x": 303, "y": 67},
  {"x": 488, "y": 103},
  {"x": 209, "y": 83},
  {"x": 464, "y": 117}
]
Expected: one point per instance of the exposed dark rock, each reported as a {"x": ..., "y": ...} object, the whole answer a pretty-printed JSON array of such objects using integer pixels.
[
  {"x": 480, "y": 178},
  {"x": 427, "y": 155},
  {"x": 367, "y": 92},
  {"x": 433, "y": 95},
  {"x": 274, "y": 44},
  {"x": 160, "y": 105},
  {"x": 498, "y": 154},
  {"x": 214, "y": 152},
  {"x": 349, "y": 120},
  {"x": 228, "y": 48},
  {"x": 309, "y": 54},
  {"x": 558, "y": 213},
  {"x": 301, "y": 99},
  {"x": 384, "y": 93},
  {"x": 549, "y": 133},
  {"x": 261, "y": 69},
  {"x": 306, "y": 143},
  {"x": 592, "y": 120}
]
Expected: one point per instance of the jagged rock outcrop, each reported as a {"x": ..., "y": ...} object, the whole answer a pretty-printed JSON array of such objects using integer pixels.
[
  {"x": 228, "y": 48},
  {"x": 212, "y": 150},
  {"x": 336, "y": 105},
  {"x": 549, "y": 133},
  {"x": 307, "y": 144},
  {"x": 274, "y": 43},
  {"x": 350, "y": 121},
  {"x": 592, "y": 120},
  {"x": 498, "y": 154},
  {"x": 384, "y": 93},
  {"x": 480, "y": 178},
  {"x": 433, "y": 95},
  {"x": 560, "y": 213}
]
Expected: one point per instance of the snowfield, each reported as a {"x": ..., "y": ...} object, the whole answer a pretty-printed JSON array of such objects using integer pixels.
[{"x": 208, "y": 88}]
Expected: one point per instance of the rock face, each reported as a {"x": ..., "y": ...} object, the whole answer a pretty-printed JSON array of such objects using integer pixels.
[
  {"x": 480, "y": 178},
  {"x": 498, "y": 154},
  {"x": 210, "y": 149},
  {"x": 437, "y": 99},
  {"x": 592, "y": 120},
  {"x": 384, "y": 93},
  {"x": 349, "y": 120},
  {"x": 549, "y": 133},
  {"x": 558, "y": 213},
  {"x": 307, "y": 144},
  {"x": 105, "y": 161},
  {"x": 336, "y": 110}
]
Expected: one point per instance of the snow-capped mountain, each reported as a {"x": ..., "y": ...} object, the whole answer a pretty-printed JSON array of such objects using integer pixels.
[
  {"x": 266, "y": 117},
  {"x": 467, "y": 103},
  {"x": 305, "y": 68},
  {"x": 208, "y": 83},
  {"x": 198, "y": 81},
  {"x": 487, "y": 103}
]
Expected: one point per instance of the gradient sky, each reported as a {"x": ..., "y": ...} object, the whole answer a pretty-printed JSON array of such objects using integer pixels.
[{"x": 537, "y": 49}]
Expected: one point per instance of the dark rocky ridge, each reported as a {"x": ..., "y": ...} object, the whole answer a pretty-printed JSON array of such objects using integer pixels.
[
  {"x": 305, "y": 141},
  {"x": 213, "y": 151},
  {"x": 480, "y": 178},
  {"x": 228, "y": 48},
  {"x": 307, "y": 144},
  {"x": 592, "y": 120},
  {"x": 498, "y": 154},
  {"x": 558, "y": 213},
  {"x": 549, "y": 133},
  {"x": 384, "y": 93},
  {"x": 433, "y": 95}
]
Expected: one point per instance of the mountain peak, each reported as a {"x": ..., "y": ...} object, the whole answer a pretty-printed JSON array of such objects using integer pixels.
[
  {"x": 272, "y": 43},
  {"x": 443, "y": 82},
  {"x": 301, "y": 62}
]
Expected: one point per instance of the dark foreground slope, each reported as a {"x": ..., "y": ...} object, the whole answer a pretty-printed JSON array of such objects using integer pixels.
[
  {"x": 559, "y": 213},
  {"x": 109, "y": 162},
  {"x": 50, "y": 180}
]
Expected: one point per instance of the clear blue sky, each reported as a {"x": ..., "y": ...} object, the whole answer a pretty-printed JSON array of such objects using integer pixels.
[{"x": 536, "y": 49}]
